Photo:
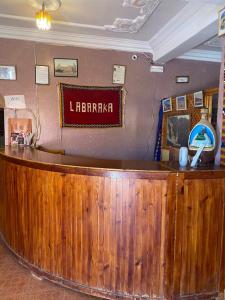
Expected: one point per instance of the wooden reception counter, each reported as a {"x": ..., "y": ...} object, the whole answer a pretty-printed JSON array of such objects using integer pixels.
[{"x": 115, "y": 229}]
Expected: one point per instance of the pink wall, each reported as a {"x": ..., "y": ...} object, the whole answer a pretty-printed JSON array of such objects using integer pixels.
[{"x": 137, "y": 138}]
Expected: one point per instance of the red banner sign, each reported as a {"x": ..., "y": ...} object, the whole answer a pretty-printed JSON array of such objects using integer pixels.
[{"x": 83, "y": 106}]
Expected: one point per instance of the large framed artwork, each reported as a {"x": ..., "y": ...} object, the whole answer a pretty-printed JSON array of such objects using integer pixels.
[
  {"x": 178, "y": 129},
  {"x": 85, "y": 106}
]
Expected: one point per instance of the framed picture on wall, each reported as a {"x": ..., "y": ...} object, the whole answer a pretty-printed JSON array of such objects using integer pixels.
[
  {"x": 177, "y": 131},
  {"x": 65, "y": 67},
  {"x": 181, "y": 103},
  {"x": 7, "y": 72},
  {"x": 42, "y": 75},
  {"x": 198, "y": 99},
  {"x": 221, "y": 20},
  {"x": 167, "y": 104}
]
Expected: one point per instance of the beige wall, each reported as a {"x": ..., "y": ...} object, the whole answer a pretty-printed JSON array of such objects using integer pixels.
[{"x": 137, "y": 138}]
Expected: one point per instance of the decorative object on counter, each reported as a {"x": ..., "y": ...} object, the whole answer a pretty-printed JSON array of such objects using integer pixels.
[
  {"x": 167, "y": 104},
  {"x": 20, "y": 131},
  {"x": 221, "y": 19},
  {"x": 28, "y": 138},
  {"x": 198, "y": 99},
  {"x": 119, "y": 73},
  {"x": 65, "y": 67},
  {"x": 202, "y": 141},
  {"x": 7, "y": 72},
  {"x": 42, "y": 74},
  {"x": 181, "y": 103},
  {"x": 183, "y": 156},
  {"x": 17, "y": 104},
  {"x": 182, "y": 79},
  {"x": 86, "y": 106}
]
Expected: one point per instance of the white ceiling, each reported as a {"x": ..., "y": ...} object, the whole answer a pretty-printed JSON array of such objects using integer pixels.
[{"x": 165, "y": 28}]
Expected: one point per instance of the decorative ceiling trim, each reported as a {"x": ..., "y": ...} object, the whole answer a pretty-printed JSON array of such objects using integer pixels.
[
  {"x": 146, "y": 9},
  {"x": 79, "y": 40},
  {"x": 172, "y": 40},
  {"x": 203, "y": 55},
  {"x": 71, "y": 24}
]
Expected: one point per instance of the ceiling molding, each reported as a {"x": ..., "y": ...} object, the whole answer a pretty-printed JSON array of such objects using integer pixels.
[
  {"x": 146, "y": 9},
  {"x": 173, "y": 40},
  {"x": 79, "y": 40},
  {"x": 71, "y": 24},
  {"x": 215, "y": 42},
  {"x": 203, "y": 55}
]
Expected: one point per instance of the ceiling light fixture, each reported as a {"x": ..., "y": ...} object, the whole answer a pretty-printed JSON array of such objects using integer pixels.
[{"x": 43, "y": 19}]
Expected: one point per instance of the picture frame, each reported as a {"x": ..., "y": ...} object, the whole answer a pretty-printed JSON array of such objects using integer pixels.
[
  {"x": 181, "y": 103},
  {"x": 119, "y": 73},
  {"x": 221, "y": 22},
  {"x": 177, "y": 130},
  {"x": 7, "y": 72},
  {"x": 65, "y": 67},
  {"x": 167, "y": 104},
  {"x": 42, "y": 74},
  {"x": 182, "y": 79},
  {"x": 198, "y": 99}
]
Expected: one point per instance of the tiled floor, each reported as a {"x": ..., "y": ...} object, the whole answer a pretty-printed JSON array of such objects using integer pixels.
[{"x": 17, "y": 283}]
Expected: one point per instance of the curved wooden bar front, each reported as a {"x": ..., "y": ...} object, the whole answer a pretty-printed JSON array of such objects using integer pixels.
[{"x": 115, "y": 229}]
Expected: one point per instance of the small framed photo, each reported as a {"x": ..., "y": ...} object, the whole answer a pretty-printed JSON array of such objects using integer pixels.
[
  {"x": 167, "y": 104},
  {"x": 181, "y": 103},
  {"x": 7, "y": 72},
  {"x": 182, "y": 79},
  {"x": 65, "y": 67},
  {"x": 119, "y": 73},
  {"x": 198, "y": 99},
  {"x": 42, "y": 74},
  {"x": 221, "y": 20}
]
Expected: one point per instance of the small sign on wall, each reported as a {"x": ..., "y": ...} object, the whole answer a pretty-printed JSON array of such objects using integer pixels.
[
  {"x": 119, "y": 74},
  {"x": 15, "y": 101},
  {"x": 41, "y": 74}
]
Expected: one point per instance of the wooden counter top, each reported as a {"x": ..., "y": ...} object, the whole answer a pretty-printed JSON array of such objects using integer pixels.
[{"x": 69, "y": 164}]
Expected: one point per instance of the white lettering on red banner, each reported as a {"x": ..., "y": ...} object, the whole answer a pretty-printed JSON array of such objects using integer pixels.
[{"x": 83, "y": 107}]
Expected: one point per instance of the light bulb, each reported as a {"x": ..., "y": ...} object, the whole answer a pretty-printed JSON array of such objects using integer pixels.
[{"x": 43, "y": 19}]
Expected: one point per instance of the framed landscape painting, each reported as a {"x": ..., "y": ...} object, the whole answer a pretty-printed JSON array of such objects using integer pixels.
[
  {"x": 167, "y": 104},
  {"x": 181, "y": 103},
  {"x": 198, "y": 99},
  {"x": 64, "y": 67}
]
